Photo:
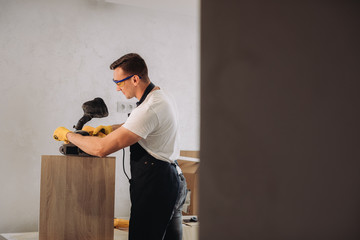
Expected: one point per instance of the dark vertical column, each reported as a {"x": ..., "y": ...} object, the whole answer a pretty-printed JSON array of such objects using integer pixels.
[{"x": 280, "y": 100}]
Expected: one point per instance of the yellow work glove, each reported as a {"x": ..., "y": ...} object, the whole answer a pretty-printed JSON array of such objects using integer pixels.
[
  {"x": 60, "y": 134},
  {"x": 89, "y": 129},
  {"x": 102, "y": 129}
]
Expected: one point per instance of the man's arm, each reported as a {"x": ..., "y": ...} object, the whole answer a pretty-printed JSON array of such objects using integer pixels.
[{"x": 101, "y": 147}]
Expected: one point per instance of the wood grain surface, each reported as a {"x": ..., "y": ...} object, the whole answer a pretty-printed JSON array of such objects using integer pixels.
[{"x": 77, "y": 198}]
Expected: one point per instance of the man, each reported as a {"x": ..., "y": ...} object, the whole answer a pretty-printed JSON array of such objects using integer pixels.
[{"x": 157, "y": 186}]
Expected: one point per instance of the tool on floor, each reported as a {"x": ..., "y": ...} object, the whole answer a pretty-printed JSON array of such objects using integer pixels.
[{"x": 95, "y": 108}]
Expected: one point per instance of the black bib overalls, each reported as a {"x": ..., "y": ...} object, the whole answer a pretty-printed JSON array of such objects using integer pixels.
[{"x": 157, "y": 193}]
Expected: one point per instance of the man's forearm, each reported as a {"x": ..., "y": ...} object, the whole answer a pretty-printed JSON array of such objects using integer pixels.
[
  {"x": 101, "y": 147},
  {"x": 89, "y": 144}
]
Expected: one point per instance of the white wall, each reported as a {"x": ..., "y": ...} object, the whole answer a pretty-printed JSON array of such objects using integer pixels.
[{"x": 55, "y": 55}]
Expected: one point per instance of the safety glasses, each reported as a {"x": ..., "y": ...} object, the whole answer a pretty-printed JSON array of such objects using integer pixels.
[{"x": 121, "y": 82}]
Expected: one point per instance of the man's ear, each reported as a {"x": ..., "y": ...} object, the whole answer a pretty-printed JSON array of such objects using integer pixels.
[{"x": 136, "y": 80}]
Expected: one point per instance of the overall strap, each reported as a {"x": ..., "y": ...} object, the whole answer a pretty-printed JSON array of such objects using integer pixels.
[{"x": 147, "y": 91}]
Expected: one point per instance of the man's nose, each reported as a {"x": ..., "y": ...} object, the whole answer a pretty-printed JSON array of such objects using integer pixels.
[{"x": 118, "y": 88}]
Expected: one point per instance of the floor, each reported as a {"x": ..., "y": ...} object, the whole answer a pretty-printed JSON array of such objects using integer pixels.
[{"x": 190, "y": 232}]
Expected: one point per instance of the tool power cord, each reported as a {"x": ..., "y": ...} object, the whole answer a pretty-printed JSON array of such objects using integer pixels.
[{"x": 124, "y": 164}]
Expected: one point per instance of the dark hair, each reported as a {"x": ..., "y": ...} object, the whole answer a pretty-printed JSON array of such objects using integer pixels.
[{"x": 132, "y": 63}]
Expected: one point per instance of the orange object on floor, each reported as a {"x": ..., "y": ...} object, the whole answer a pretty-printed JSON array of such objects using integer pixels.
[{"x": 121, "y": 223}]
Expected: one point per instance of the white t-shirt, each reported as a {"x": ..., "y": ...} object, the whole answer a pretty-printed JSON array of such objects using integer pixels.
[{"x": 155, "y": 120}]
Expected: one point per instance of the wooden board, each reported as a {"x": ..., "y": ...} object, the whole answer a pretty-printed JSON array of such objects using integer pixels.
[
  {"x": 77, "y": 198},
  {"x": 188, "y": 153}
]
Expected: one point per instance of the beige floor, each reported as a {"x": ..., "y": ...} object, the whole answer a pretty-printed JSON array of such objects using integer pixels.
[
  {"x": 118, "y": 235},
  {"x": 190, "y": 232}
]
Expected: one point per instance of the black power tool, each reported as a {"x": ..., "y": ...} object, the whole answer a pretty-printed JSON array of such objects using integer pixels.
[{"x": 92, "y": 109}]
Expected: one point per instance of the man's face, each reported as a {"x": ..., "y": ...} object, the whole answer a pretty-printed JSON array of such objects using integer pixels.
[{"x": 126, "y": 87}]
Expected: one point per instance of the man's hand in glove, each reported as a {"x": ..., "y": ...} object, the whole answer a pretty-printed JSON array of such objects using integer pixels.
[
  {"x": 102, "y": 129},
  {"x": 91, "y": 131},
  {"x": 60, "y": 134},
  {"x": 88, "y": 129}
]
